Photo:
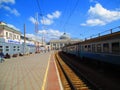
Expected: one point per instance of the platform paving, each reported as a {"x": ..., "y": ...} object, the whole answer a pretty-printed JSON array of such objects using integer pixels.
[
  {"x": 24, "y": 73},
  {"x": 53, "y": 81}
]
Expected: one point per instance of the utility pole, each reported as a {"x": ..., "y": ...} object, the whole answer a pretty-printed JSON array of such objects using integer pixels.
[
  {"x": 36, "y": 31},
  {"x": 24, "y": 38}
]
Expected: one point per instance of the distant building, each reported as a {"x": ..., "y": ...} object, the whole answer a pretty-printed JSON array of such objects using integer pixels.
[
  {"x": 12, "y": 42},
  {"x": 64, "y": 40},
  {"x": 9, "y": 39},
  {"x": 7, "y": 32}
]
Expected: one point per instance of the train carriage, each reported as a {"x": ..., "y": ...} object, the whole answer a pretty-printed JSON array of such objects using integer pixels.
[{"x": 104, "y": 49}]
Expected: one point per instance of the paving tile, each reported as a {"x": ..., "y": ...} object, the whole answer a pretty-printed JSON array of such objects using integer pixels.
[{"x": 23, "y": 73}]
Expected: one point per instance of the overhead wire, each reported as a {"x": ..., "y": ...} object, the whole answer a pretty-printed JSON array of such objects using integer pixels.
[
  {"x": 41, "y": 15},
  {"x": 65, "y": 12},
  {"x": 71, "y": 13}
]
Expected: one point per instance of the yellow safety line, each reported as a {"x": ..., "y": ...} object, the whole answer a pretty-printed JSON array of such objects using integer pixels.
[{"x": 45, "y": 77}]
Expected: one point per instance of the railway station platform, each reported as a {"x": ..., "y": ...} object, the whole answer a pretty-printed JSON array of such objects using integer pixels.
[{"x": 32, "y": 72}]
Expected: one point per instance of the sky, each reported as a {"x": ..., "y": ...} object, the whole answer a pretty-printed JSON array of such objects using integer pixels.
[{"x": 79, "y": 19}]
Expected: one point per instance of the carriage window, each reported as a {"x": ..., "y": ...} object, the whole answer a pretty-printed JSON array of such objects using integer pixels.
[
  {"x": 116, "y": 47},
  {"x": 7, "y": 48},
  {"x": 18, "y": 48},
  {"x": 89, "y": 48},
  {"x": 106, "y": 47},
  {"x": 93, "y": 47},
  {"x": 82, "y": 48},
  {"x": 14, "y": 46},
  {"x": 85, "y": 46},
  {"x": 98, "y": 47},
  {"x": 1, "y": 48}
]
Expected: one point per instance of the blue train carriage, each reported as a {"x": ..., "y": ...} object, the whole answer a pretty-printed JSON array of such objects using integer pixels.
[
  {"x": 27, "y": 46},
  {"x": 9, "y": 39},
  {"x": 10, "y": 47},
  {"x": 72, "y": 49},
  {"x": 105, "y": 48}
]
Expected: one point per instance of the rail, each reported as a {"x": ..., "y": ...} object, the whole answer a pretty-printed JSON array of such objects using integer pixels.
[{"x": 75, "y": 83}]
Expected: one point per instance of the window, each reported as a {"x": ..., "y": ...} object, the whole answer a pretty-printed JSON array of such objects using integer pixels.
[
  {"x": 7, "y": 48},
  {"x": 18, "y": 48},
  {"x": 14, "y": 37},
  {"x": 93, "y": 47},
  {"x": 17, "y": 37},
  {"x": 54, "y": 44},
  {"x": 6, "y": 34},
  {"x": 106, "y": 47},
  {"x": 10, "y": 36},
  {"x": 85, "y": 48},
  {"x": 61, "y": 44},
  {"x": 116, "y": 47},
  {"x": 98, "y": 47},
  {"x": 14, "y": 48},
  {"x": 1, "y": 48},
  {"x": 89, "y": 48}
]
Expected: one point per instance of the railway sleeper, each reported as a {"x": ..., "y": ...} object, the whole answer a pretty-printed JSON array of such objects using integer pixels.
[{"x": 78, "y": 84}]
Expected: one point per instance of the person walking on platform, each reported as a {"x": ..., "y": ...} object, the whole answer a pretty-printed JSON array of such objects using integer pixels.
[{"x": 1, "y": 56}]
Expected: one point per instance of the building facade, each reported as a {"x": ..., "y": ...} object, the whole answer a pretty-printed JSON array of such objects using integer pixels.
[
  {"x": 64, "y": 40},
  {"x": 12, "y": 42},
  {"x": 9, "y": 39}
]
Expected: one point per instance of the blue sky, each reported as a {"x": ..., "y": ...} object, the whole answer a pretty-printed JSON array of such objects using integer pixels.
[{"x": 77, "y": 18}]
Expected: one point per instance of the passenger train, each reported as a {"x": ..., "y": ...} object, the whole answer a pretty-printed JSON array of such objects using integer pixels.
[
  {"x": 105, "y": 49},
  {"x": 14, "y": 48},
  {"x": 13, "y": 43}
]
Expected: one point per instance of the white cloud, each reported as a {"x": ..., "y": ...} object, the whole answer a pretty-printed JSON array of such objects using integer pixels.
[
  {"x": 100, "y": 16},
  {"x": 33, "y": 37},
  {"x": 33, "y": 20},
  {"x": 12, "y": 26},
  {"x": 55, "y": 14},
  {"x": 7, "y": 1},
  {"x": 46, "y": 35},
  {"x": 51, "y": 33},
  {"x": 12, "y": 11},
  {"x": 93, "y": 22},
  {"x": 46, "y": 21}
]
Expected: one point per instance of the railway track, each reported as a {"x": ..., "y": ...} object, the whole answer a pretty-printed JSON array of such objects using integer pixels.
[
  {"x": 94, "y": 79},
  {"x": 69, "y": 79}
]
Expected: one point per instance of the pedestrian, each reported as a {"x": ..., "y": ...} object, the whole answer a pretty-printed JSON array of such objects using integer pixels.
[{"x": 1, "y": 56}]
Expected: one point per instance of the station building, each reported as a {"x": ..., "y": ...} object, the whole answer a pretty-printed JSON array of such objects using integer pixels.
[
  {"x": 9, "y": 39},
  {"x": 13, "y": 42},
  {"x": 62, "y": 41}
]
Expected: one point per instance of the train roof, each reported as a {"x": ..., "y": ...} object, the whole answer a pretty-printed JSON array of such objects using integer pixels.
[{"x": 115, "y": 35}]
